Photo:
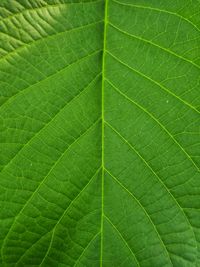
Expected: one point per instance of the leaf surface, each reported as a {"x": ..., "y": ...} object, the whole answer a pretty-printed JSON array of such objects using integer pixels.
[{"x": 100, "y": 133}]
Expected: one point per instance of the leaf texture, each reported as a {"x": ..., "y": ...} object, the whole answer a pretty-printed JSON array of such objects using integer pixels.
[{"x": 100, "y": 133}]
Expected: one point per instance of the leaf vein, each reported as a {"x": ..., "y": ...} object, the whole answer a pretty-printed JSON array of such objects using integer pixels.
[
  {"x": 15, "y": 52},
  {"x": 159, "y": 10},
  {"x": 46, "y": 7},
  {"x": 145, "y": 211},
  {"x": 155, "y": 82},
  {"x": 123, "y": 239},
  {"x": 155, "y": 174},
  {"x": 158, "y": 122},
  {"x": 43, "y": 181},
  {"x": 62, "y": 216},
  {"x": 154, "y": 44},
  {"x": 50, "y": 121}
]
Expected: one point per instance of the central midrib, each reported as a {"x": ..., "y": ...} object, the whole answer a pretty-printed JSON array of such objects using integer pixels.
[{"x": 103, "y": 124}]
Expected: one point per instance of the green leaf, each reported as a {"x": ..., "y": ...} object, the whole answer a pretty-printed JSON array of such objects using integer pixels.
[{"x": 100, "y": 133}]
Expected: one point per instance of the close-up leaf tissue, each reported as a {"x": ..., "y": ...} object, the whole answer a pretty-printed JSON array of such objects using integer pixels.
[{"x": 99, "y": 133}]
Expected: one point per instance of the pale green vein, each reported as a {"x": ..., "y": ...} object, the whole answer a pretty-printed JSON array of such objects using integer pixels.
[
  {"x": 145, "y": 212},
  {"x": 102, "y": 140},
  {"x": 11, "y": 98},
  {"x": 81, "y": 255},
  {"x": 58, "y": 222},
  {"x": 155, "y": 119},
  {"x": 29, "y": 10},
  {"x": 154, "y": 44},
  {"x": 159, "y": 10},
  {"x": 123, "y": 239},
  {"x": 28, "y": 45},
  {"x": 11, "y": 37},
  {"x": 64, "y": 213},
  {"x": 155, "y": 174},
  {"x": 50, "y": 121},
  {"x": 7, "y": 12},
  {"x": 155, "y": 82},
  {"x": 42, "y": 182}
]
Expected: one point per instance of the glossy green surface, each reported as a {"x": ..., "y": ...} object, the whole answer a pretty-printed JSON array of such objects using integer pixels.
[{"x": 100, "y": 133}]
